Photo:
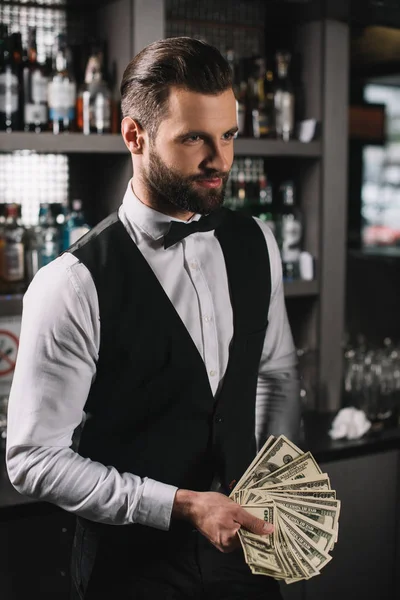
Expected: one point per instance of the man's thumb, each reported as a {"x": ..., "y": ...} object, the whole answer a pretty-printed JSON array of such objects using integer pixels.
[{"x": 255, "y": 525}]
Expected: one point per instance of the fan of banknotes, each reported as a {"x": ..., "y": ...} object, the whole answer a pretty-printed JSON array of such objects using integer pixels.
[{"x": 285, "y": 486}]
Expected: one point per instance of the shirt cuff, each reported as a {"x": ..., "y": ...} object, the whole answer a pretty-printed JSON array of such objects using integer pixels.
[{"x": 155, "y": 505}]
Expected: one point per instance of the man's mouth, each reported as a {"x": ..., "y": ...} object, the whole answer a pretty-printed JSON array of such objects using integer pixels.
[{"x": 211, "y": 182}]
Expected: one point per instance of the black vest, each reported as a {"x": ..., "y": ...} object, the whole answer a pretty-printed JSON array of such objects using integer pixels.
[{"x": 151, "y": 410}]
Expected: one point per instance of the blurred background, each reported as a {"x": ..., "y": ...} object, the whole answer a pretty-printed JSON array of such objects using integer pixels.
[{"x": 317, "y": 157}]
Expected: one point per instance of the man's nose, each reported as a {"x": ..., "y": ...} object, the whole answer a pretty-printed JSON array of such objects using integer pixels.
[{"x": 218, "y": 159}]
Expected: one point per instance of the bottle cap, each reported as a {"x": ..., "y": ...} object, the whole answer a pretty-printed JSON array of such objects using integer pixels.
[{"x": 77, "y": 204}]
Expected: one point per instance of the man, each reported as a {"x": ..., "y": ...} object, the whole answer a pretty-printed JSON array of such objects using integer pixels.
[{"x": 165, "y": 329}]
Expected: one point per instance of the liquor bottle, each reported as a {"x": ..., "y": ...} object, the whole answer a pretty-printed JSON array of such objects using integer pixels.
[
  {"x": 75, "y": 225},
  {"x": 50, "y": 235},
  {"x": 241, "y": 109},
  {"x": 13, "y": 268},
  {"x": 231, "y": 188},
  {"x": 33, "y": 247},
  {"x": 62, "y": 89},
  {"x": 252, "y": 100},
  {"x": 266, "y": 203},
  {"x": 241, "y": 200},
  {"x": 17, "y": 57},
  {"x": 2, "y": 233},
  {"x": 35, "y": 89},
  {"x": 239, "y": 88},
  {"x": 9, "y": 85},
  {"x": 290, "y": 231},
  {"x": 263, "y": 113},
  {"x": 94, "y": 103},
  {"x": 284, "y": 98}
]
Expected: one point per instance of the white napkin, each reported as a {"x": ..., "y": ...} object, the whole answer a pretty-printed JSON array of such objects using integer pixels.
[{"x": 349, "y": 423}]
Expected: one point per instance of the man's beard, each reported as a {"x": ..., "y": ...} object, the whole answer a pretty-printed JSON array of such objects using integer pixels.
[{"x": 169, "y": 188}]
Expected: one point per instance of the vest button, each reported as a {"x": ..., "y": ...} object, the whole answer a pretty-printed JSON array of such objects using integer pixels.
[{"x": 219, "y": 419}]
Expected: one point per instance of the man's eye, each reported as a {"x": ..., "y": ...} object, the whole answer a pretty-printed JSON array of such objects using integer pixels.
[
  {"x": 193, "y": 138},
  {"x": 229, "y": 136}
]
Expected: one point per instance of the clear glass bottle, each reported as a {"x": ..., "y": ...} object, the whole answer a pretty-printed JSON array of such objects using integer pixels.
[
  {"x": 290, "y": 231},
  {"x": 49, "y": 235},
  {"x": 35, "y": 84},
  {"x": 75, "y": 225},
  {"x": 13, "y": 268},
  {"x": 17, "y": 56},
  {"x": 33, "y": 246},
  {"x": 9, "y": 85},
  {"x": 263, "y": 113},
  {"x": 266, "y": 202},
  {"x": 2, "y": 234},
  {"x": 62, "y": 89},
  {"x": 284, "y": 99},
  {"x": 94, "y": 103}
]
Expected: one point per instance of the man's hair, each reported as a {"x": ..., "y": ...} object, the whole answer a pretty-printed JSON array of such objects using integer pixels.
[{"x": 182, "y": 62}]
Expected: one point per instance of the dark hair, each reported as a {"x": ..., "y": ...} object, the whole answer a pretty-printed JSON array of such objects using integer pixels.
[{"x": 183, "y": 62}]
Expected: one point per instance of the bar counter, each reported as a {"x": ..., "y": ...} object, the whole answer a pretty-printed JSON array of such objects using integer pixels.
[{"x": 36, "y": 537}]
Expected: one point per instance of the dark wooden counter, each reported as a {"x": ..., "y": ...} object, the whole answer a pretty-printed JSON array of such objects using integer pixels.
[
  {"x": 316, "y": 440},
  {"x": 37, "y": 536}
]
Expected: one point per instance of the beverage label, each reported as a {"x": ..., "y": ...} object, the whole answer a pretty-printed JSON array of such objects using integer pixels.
[
  {"x": 39, "y": 87},
  {"x": 291, "y": 239},
  {"x": 50, "y": 251},
  {"x": 100, "y": 114},
  {"x": 262, "y": 126},
  {"x": 284, "y": 113},
  {"x": 13, "y": 262},
  {"x": 8, "y": 93},
  {"x": 59, "y": 114},
  {"x": 61, "y": 98},
  {"x": 35, "y": 113}
]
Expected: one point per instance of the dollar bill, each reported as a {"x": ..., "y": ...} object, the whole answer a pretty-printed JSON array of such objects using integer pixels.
[
  {"x": 322, "y": 537},
  {"x": 240, "y": 484},
  {"x": 320, "y": 482},
  {"x": 275, "y": 456},
  {"x": 309, "y": 495},
  {"x": 265, "y": 512},
  {"x": 325, "y": 515},
  {"x": 302, "y": 467},
  {"x": 318, "y": 558},
  {"x": 294, "y": 548},
  {"x": 294, "y": 567},
  {"x": 286, "y": 487},
  {"x": 263, "y": 542},
  {"x": 267, "y": 560}
]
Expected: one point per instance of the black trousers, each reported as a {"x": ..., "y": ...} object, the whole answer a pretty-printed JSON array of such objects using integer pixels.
[{"x": 140, "y": 563}]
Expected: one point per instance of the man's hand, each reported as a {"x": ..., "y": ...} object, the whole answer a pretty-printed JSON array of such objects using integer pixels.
[{"x": 217, "y": 517}]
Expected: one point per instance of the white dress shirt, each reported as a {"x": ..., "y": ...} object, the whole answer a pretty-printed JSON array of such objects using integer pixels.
[{"x": 58, "y": 353}]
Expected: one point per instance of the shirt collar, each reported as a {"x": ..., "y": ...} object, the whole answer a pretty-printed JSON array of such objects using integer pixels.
[{"x": 153, "y": 223}]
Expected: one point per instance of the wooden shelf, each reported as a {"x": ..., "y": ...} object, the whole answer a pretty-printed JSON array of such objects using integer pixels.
[
  {"x": 260, "y": 147},
  {"x": 295, "y": 289},
  {"x": 64, "y": 142},
  {"x": 75, "y": 143},
  {"x": 68, "y": 4}
]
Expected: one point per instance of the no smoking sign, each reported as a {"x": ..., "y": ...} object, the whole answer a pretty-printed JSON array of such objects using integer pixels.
[
  {"x": 10, "y": 328},
  {"x": 8, "y": 352}
]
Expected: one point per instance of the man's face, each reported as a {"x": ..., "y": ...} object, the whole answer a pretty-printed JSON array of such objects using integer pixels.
[{"x": 187, "y": 164}]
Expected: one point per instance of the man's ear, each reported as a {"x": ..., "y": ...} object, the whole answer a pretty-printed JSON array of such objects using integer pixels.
[{"x": 133, "y": 134}]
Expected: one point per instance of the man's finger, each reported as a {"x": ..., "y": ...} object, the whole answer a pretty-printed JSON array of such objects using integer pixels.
[{"x": 255, "y": 525}]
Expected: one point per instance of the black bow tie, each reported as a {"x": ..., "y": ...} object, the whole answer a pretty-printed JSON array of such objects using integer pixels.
[{"x": 179, "y": 230}]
